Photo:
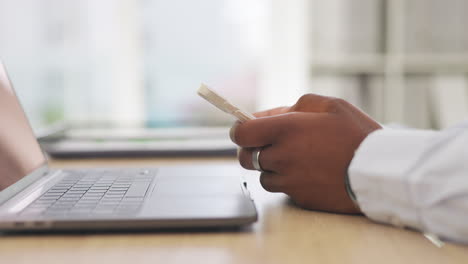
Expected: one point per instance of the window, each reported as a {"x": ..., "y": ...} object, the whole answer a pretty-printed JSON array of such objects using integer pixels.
[{"x": 131, "y": 62}]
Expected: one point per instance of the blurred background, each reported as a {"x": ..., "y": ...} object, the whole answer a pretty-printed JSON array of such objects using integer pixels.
[{"x": 139, "y": 62}]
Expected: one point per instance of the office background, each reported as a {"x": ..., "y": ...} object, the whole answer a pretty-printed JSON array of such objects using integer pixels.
[{"x": 139, "y": 62}]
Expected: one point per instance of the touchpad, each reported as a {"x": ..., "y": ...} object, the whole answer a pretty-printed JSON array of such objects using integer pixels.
[{"x": 199, "y": 192}]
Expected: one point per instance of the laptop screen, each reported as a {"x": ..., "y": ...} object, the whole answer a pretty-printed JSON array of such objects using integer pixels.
[{"x": 20, "y": 153}]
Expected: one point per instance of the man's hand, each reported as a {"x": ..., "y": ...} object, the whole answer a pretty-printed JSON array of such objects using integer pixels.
[{"x": 306, "y": 149}]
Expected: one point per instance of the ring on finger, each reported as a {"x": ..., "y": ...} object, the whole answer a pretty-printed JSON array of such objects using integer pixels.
[{"x": 256, "y": 159}]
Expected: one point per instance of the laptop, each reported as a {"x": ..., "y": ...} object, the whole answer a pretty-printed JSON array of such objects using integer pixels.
[
  {"x": 34, "y": 197},
  {"x": 71, "y": 141}
]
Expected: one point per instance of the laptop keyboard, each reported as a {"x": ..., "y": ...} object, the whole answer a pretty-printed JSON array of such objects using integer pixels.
[{"x": 95, "y": 192}]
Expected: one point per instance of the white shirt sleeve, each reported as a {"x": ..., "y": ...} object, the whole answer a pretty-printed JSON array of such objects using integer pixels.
[{"x": 416, "y": 179}]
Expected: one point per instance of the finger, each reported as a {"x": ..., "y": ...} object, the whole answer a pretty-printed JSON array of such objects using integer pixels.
[
  {"x": 261, "y": 131},
  {"x": 244, "y": 155},
  {"x": 269, "y": 158},
  {"x": 272, "y": 112},
  {"x": 272, "y": 182}
]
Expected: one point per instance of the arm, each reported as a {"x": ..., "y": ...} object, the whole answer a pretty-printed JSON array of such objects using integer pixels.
[{"x": 415, "y": 178}]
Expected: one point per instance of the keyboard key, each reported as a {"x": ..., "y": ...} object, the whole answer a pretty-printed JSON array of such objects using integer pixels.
[
  {"x": 121, "y": 185},
  {"x": 102, "y": 185},
  {"x": 66, "y": 202},
  {"x": 55, "y": 190},
  {"x": 104, "y": 188},
  {"x": 79, "y": 188},
  {"x": 76, "y": 192},
  {"x": 138, "y": 189},
  {"x": 113, "y": 188},
  {"x": 72, "y": 195},
  {"x": 116, "y": 192},
  {"x": 69, "y": 198},
  {"x": 93, "y": 195},
  {"x": 96, "y": 191},
  {"x": 87, "y": 186}
]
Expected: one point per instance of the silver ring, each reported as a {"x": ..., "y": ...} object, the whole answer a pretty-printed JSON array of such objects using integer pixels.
[{"x": 256, "y": 159}]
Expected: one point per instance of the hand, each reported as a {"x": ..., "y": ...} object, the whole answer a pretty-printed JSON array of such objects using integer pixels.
[{"x": 306, "y": 149}]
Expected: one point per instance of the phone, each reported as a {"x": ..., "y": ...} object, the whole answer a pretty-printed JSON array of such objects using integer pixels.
[{"x": 224, "y": 105}]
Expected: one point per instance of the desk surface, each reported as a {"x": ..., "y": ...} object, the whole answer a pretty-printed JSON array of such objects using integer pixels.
[{"x": 283, "y": 234}]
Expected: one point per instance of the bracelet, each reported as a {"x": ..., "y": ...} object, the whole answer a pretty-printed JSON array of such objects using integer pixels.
[{"x": 350, "y": 192}]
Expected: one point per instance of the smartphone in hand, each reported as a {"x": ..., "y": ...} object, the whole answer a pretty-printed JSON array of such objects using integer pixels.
[{"x": 224, "y": 105}]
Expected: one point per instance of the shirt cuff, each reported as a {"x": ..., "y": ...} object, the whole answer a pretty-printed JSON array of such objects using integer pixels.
[{"x": 378, "y": 175}]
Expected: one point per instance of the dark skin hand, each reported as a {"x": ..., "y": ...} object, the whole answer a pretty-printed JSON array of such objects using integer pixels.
[{"x": 306, "y": 149}]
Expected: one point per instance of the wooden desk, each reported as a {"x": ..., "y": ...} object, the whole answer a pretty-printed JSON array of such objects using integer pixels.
[{"x": 283, "y": 234}]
